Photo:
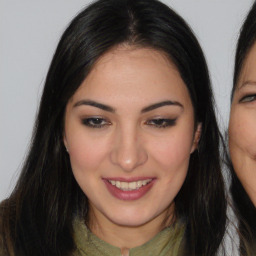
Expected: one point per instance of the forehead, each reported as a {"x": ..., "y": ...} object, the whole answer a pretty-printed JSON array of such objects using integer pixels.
[
  {"x": 127, "y": 60},
  {"x": 248, "y": 71},
  {"x": 133, "y": 72}
]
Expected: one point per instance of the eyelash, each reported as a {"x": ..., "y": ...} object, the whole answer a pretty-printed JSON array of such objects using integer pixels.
[
  {"x": 95, "y": 122},
  {"x": 98, "y": 122},
  {"x": 161, "y": 122},
  {"x": 248, "y": 98}
]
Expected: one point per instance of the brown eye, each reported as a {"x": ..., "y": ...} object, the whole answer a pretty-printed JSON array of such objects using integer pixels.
[
  {"x": 161, "y": 122},
  {"x": 95, "y": 122}
]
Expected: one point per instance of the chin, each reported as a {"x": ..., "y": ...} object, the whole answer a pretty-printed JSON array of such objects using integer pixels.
[
  {"x": 131, "y": 222},
  {"x": 131, "y": 219}
]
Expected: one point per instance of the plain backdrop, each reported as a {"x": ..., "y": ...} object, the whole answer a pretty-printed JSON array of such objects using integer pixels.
[{"x": 29, "y": 33}]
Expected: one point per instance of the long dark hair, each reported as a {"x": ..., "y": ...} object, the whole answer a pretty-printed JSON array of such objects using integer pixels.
[
  {"x": 37, "y": 217},
  {"x": 244, "y": 208}
]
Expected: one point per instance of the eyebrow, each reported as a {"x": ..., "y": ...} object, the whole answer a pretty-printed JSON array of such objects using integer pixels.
[
  {"x": 161, "y": 104},
  {"x": 94, "y": 104},
  {"x": 249, "y": 82},
  {"x": 112, "y": 110}
]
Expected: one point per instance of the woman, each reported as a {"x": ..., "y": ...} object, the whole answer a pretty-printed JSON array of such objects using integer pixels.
[
  {"x": 242, "y": 135},
  {"x": 125, "y": 152}
]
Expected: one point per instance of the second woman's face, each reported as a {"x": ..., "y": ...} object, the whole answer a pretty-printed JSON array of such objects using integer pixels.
[
  {"x": 129, "y": 131},
  {"x": 242, "y": 126}
]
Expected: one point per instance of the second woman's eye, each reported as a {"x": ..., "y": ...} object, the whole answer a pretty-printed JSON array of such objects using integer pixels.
[
  {"x": 161, "y": 122},
  {"x": 248, "y": 98},
  {"x": 95, "y": 122}
]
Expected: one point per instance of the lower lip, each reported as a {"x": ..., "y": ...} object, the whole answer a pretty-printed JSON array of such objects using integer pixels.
[{"x": 128, "y": 195}]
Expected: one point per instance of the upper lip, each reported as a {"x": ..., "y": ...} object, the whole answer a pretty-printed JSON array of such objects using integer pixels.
[{"x": 130, "y": 179}]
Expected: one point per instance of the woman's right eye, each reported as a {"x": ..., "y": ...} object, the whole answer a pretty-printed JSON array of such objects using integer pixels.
[
  {"x": 248, "y": 98},
  {"x": 95, "y": 122}
]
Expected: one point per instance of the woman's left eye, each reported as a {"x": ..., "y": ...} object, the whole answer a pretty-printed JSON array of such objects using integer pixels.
[
  {"x": 248, "y": 98},
  {"x": 161, "y": 122}
]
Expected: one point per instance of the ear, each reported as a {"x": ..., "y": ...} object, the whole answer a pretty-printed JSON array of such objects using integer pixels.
[{"x": 197, "y": 136}]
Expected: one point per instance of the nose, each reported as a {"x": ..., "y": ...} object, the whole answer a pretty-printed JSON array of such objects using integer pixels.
[{"x": 128, "y": 150}]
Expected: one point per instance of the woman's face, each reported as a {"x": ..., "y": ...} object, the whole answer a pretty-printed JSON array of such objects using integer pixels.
[
  {"x": 129, "y": 131},
  {"x": 242, "y": 126}
]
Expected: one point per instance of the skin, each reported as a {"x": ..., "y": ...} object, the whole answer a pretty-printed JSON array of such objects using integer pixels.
[
  {"x": 131, "y": 141},
  {"x": 242, "y": 126}
]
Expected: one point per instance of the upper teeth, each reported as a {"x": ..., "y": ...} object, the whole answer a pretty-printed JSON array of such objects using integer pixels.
[{"x": 127, "y": 186}]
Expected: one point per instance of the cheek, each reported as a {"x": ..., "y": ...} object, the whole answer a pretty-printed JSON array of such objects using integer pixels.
[
  {"x": 86, "y": 152},
  {"x": 242, "y": 132},
  {"x": 173, "y": 152},
  {"x": 86, "y": 158}
]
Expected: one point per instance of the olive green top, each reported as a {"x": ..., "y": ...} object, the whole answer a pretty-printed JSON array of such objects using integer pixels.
[{"x": 166, "y": 242}]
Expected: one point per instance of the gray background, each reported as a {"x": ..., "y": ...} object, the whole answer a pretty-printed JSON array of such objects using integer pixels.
[{"x": 29, "y": 34}]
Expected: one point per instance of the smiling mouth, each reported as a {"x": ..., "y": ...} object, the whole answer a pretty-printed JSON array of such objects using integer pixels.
[{"x": 129, "y": 186}]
